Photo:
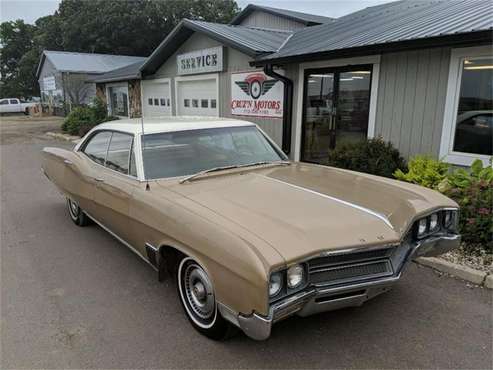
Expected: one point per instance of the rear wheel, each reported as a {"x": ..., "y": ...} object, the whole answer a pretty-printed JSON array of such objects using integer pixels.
[
  {"x": 198, "y": 300},
  {"x": 76, "y": 214}
]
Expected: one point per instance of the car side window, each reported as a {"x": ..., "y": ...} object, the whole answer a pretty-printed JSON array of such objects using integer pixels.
[
  {"x": 97, "y": 147},
  {"x": 4, "y": 102},
  {"x": 13, "y": 101},
  {"x": 119, "y": 152}
]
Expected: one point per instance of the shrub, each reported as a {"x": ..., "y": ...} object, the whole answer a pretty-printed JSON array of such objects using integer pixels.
[
  {"x": 373, "y": 156},
  {"x": 471, "y": 189},
  {"x": 424, "y": 171},
  {"x": 82, "y": 119},
  {"x": 78, "y": 117}
]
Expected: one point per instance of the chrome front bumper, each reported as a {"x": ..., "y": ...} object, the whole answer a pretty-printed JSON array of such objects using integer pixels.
[{"x": 321, "y": 299}]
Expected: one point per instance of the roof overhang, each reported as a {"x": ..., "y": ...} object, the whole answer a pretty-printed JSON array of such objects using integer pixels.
[
  {"x": 177, "y": 37},
  {"x": 455, "y": 40}
]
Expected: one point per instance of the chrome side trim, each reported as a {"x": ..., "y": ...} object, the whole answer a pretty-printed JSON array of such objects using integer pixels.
[
  {"x": 120, "y": 239},
  {"x": 349, "y": 204}
]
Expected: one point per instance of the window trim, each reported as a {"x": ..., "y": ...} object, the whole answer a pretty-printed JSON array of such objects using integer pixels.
[
  {"x": 83, "y": 146},
  {"x": 447, "y": 153}
]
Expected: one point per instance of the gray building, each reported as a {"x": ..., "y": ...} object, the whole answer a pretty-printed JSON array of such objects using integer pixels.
[
  {"x": 417, "y": 73},
  {"x": 66, "y": 77}
]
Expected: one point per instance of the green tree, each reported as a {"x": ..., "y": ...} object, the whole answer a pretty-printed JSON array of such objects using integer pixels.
[
  {"x": 16, "y": 68},
  {"x": 132, "y": 27}
]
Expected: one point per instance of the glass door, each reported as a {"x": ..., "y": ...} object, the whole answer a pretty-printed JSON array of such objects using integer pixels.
[{"x": 335, "y": 110}]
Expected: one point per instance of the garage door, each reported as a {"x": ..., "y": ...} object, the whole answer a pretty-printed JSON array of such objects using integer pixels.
[
  {"x": 197, "y": 98},
  {"x": 156, "y": 98}
]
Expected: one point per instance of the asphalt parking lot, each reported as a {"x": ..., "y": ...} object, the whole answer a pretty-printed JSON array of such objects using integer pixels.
[{"x": 76, "y": 298}]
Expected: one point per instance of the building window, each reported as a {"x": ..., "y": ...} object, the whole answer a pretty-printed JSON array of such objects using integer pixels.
[
  {"x": 168, "y": 101},
  {"x": 204, "y": 103},
  {"x": 195, "y": 103},
  {"x": 474, "y": 124},
  {"x": 156, "y": 101},
  {"x": 149, "y": 101},
  {"x": 163, "y": 102},
  {"x": 468, "y": 119},
  {"x": 186, "y": 103},
  {"x": 213, "y": 103}
]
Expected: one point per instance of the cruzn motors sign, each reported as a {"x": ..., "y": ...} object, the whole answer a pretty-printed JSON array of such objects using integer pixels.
[
  {"x": 200, "y": 61},
  {"x": 255, "y": 94}
]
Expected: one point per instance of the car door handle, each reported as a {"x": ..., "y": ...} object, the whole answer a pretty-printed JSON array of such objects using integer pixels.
[
  {"x": 68, "y": 161},
  {"x": 99, "y": 179}
]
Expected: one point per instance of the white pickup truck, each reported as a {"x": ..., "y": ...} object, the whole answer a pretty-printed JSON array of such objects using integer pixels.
[{"x": 14, "y": 105}]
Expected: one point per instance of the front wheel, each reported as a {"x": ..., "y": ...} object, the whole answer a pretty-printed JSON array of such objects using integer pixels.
[
  {"x": 198, "y": 300},
  {"x": 76, "y": 214}
]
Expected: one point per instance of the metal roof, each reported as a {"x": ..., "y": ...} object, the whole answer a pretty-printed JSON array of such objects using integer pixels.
[
  {"x": 396, "y": 22},
  {"x": 65, "y": 61},
  {"x": 130, "y": 72},
  {"x": 252, "y": 41},
  {"x": 305, "y": 18}
]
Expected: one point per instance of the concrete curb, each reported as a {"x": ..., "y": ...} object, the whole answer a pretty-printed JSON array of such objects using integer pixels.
[
  {"x": 64, "y": 137},
  {"x": 462, "y": 272}
]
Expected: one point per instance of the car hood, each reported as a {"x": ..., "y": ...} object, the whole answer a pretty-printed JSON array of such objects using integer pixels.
[{"x": 302, "y": 209}]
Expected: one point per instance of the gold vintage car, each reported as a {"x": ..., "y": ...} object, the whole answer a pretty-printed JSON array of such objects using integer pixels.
[{"x": 250, "y": 237}]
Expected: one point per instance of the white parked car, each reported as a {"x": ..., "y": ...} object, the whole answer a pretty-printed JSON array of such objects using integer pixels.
[{"x": 14, "y": 105}]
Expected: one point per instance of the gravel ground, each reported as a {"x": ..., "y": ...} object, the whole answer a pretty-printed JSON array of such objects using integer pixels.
[{"x": 483, "y": 261}]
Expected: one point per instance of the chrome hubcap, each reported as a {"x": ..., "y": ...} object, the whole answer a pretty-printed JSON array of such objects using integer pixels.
[
  {"x": 198, "y": 291},
  {"x": 73, "y": 208}
]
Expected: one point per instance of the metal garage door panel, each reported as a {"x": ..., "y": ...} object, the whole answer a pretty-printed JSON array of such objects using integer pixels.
[
  {"x": 197, "y": 98},
  {"x": 157, "y": 100}
]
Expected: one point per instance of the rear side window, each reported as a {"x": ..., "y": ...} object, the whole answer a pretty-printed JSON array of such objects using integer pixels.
[
  {"x": 13, "y": 101},
  {"x": 118, "y": 157},
  {"x": 97, "y": 147}
]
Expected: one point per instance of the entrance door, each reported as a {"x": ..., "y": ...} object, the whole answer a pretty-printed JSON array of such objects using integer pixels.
[{"x": 335, "y": 110}]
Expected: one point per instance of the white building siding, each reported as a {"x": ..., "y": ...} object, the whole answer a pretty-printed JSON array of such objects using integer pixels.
[
  {"x": 266, "y": 20},
  {"x": 411, "y": 99}
]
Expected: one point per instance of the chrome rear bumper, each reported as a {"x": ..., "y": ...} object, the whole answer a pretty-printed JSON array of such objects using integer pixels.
[{"x": 314, "y": 300}]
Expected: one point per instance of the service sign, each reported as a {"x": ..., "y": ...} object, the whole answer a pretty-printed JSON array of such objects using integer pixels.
[
  {"x": 255, "y": 94},
  {"x": 49, "y": 83},
  {"x": 200, "y": 61}
]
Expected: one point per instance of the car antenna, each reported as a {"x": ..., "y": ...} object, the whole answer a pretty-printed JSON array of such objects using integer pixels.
[{"x": 143, "y": 146}]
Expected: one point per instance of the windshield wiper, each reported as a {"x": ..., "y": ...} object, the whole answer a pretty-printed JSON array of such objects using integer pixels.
[{"x": 214, "y": 169}]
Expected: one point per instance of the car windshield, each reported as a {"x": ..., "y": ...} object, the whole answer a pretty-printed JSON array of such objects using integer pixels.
[{"x": 184, "y": 153}]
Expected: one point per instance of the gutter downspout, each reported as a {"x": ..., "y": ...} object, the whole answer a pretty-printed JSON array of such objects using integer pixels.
[{"x": 287, "y": 111}]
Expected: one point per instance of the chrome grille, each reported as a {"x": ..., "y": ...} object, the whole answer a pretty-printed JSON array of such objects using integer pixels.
[
  {"x": 351, "y": 267},
  {"x": 345, "y": 273},
  {"x": 350, "y": 257}
]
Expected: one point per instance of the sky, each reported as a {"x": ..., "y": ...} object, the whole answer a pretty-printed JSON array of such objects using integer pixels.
[{"x": 30, "y": 10}]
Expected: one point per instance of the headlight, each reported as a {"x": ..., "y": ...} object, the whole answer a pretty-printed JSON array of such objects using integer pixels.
[
  {"x": 295, "y": 276},
  {"x": 275, "y": 284},
  {"x": 450, "y": 220},
  {"x": 434, "y": 222},
  {"x": 422, "y": 227}
]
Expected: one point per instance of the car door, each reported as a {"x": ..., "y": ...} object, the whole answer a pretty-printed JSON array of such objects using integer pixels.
[
  {"x": 4, "y": 105},
  {"x": 115, "y": 184},
  {"x": 83, "y": 170},
  {"x": 15, "y": 106}
]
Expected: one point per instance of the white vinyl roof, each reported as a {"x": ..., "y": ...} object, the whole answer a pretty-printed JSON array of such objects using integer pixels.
[{"x": 170, "y": 124}]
